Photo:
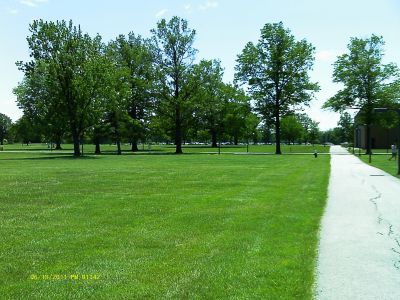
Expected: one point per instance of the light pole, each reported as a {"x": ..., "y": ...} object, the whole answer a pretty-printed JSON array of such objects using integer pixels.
[{"x": 385, "y": 109}]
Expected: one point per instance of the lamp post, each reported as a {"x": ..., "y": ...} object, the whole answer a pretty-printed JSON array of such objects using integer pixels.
[{"x": 385, "y": 109}]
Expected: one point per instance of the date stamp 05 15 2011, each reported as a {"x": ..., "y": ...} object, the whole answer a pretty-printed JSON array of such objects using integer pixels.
[{"x": 55, "y": 277}]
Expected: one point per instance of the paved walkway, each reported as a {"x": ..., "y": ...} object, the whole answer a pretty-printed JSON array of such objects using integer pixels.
[{"x": 359, "y": 252}]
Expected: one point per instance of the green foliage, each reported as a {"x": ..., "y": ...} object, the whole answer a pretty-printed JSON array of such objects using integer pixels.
[
  {"x": 368, "y": 83},
  {"x": 333, "y": 136},
  {"x": 346, "y": 126},
  {"x": 5, "y": 125},
  {"x": 310, "y": 129},
  {"x": 209, "y": 98},
  {"x": 174, "y": 55},
  {"x": 276, "y": 72},
  {"x": 292, "y": 129},
  {"x": 37, "y": 98},
  {"x": 133, "y": 56},
  {"x": 71, "y": 66}
]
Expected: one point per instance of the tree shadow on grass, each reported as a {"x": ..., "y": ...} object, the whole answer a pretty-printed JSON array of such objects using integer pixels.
[
  {"x": 92, "y": 156},
  {"x": 52, "y": 157}
]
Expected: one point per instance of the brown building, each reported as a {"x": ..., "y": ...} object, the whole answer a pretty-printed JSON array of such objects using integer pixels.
[{"x": 381, "y": 138}]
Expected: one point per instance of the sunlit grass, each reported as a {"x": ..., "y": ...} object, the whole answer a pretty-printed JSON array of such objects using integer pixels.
[
  {"x": 382, "y": 162},
  {"x": 192, "y": 226}
]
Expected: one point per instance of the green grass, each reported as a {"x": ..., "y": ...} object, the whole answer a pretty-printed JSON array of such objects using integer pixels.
[
  {"x": 165, "y": 226},
  {"x": 381, "y": 161},
  {"x": 89, "y": 149}
]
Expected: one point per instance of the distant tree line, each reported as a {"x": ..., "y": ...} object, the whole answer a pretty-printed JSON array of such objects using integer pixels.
[{"x": 133, "y": 89}]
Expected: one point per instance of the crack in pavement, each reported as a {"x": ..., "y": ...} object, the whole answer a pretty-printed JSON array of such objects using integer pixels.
[{"x": 387, "y": 225}]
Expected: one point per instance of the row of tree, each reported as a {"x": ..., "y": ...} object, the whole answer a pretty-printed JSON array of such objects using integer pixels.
[
  {"x": 135, "y": 88},
  {"x": 128, "y": 89}
]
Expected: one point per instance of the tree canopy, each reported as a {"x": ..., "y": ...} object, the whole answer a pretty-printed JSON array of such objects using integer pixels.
[
  {"x": 72, "y": 67},
  {"x": 368, "y": 82},
  {"x": 5, "y": 124},
  {"x": 174, "y": 55},
  {"x": 76, "y": 87},
  {"x": 275, "y": 71}
]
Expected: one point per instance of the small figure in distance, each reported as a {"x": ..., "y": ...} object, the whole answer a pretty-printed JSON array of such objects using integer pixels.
[
  {"x": 394, "y": 152},
  {"x": 315, "y": 153}
]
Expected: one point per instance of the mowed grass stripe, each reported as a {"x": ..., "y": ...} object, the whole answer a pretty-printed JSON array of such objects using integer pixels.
[{"x": 203, "y": 226}]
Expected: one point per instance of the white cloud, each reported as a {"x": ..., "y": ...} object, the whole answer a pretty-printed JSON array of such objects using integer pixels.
[
  {"x": 29, "y": 3},
  {"x": 327, "y": 55},
  {"x": 32, "y": 3},
  {"x": 12, "y": 11},
  {"x": 188, "y": 8},
  {"x": 208, "y": 4},
  {"x": 161, "y": 13}
]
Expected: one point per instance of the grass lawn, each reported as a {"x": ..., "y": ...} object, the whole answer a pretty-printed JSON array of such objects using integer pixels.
[
  {"x": 381, "y": 161},
  {"x": 160, "y": 226}
]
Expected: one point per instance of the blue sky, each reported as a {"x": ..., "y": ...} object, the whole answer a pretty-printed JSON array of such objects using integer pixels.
[{"x": 223, "y": 28}]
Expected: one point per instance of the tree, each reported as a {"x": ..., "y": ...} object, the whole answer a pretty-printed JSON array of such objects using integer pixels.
[
  {"x": 5, "y": 124},
  {"x": 310, "y": 128},
  {"x": 313, "y": 133},
  {"x": 331, "y": 136},
  {"x": 174, "y": 56},
  {"x": 117, "y": 97},
  {"x": 238, "y": 122},
  {"x": 36, "y": 98},
  {"x": 75, "y": 67},
  {"x": 368, "y": 83},
  {"x": 292, "y": 129},
  {"x": 276, "y": 72},
  {"x": 208, "y": 97},
  {"x": 25, "y": 131},
  {"x": 133, "y": 54},
  {"x": 346, "y": 127}
]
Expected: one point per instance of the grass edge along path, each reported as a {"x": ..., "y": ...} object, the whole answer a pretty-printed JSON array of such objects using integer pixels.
[
  {"x": 191, "y": 226},
  {"x": 381, "y": 161}
]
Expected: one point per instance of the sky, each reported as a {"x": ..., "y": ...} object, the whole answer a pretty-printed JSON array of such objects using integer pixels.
[{"x": 223, "y": 27}]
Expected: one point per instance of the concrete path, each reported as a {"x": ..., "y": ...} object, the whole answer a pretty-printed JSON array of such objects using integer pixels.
[{"x": 359, "y": 252}]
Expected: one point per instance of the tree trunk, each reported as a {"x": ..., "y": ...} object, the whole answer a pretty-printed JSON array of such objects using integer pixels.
[
  {"x": 58, "y": 145},
  {"x": 134, "y": 145},
  {"x": 178, "y": 131},
  {"x": 119, "y": 147},
  {"x": 97, "y": 150},
  {"x": 76, "y": 140},
  {"x": 214, "y": 139},
  {"x": 235, "y": 140},
  {"x": 77, "y": 149},
  {"x": 277, "y": 132},
  {"x": 368, "y": 141}
]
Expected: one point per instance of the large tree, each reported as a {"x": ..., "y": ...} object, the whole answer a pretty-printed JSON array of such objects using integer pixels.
[
  {"x": 36, "y": 98},
  {"x": 133, "y": 54},
  {"x": 174, "y": 56},
  {"x": 117, "y": 97},
  {"x": 276, "y": 72},
  {"x": 5, "y": 124},
  {"x": 75, "y": 68},
  {"x": 368, "y": 83},
  {"x": 209, "y": 99}
]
